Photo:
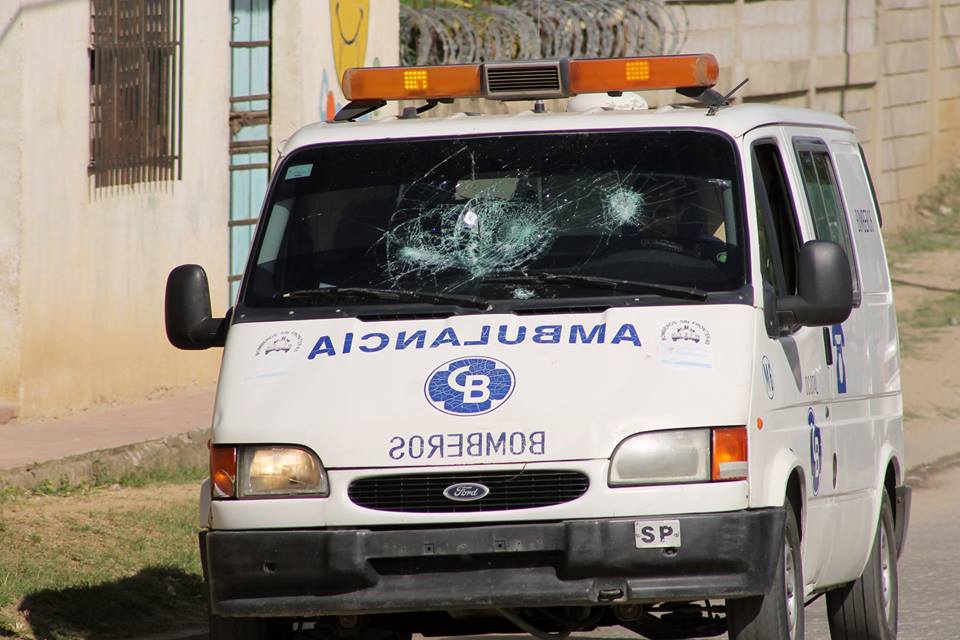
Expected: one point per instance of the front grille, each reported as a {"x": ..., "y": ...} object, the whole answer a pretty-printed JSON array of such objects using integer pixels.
[
  {"x": 513, "y": 80},
  {"x": 423, "y": 493}
]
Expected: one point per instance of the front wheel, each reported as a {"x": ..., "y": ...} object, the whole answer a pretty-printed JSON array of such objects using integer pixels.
[
  {"x": 778, "y": 614},
  {"x": 866, "y": 609}
]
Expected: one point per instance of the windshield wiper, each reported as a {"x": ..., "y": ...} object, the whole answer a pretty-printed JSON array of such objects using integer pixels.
[
  {"x": 599, "y": 282},
  {"x": 398, "y": 295}
]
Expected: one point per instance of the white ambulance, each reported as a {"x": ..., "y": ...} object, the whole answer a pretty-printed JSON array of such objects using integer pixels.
[{"x": 550, "y": 372}]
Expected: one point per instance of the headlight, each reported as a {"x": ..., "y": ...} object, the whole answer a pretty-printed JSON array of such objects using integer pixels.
[
  {"x": 683, "y": 455},
  {"x": 266, "y": 471},
  {"x": 662, "y": 457}
]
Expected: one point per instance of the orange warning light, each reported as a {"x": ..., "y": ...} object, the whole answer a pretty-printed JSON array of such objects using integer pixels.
[
  {"x": 729, "y": 454},
  {"x": 402, "y": 83},
  {"x": 630, "y": 74},
  {"x": 759, "y": 424},
  {"x": 223, "y": 471}
]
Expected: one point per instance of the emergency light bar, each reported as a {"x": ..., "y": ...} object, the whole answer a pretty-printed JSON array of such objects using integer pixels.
[{"x": 530, "y": 80}]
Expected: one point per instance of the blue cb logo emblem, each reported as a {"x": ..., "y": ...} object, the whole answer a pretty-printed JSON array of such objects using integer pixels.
[
  {"x": 816, "y": 451},
  {"x": 839, "y": 342},
  {"x": 469, "y": 386}
]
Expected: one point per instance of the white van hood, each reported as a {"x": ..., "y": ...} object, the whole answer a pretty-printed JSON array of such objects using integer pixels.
[{"x": 456, "y": 391}]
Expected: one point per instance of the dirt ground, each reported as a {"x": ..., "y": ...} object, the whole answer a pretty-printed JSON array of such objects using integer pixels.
[{"x": 929, "y": 324}]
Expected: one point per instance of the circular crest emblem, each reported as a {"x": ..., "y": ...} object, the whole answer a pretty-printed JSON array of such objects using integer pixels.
[
  {"x": 469, "y": 386},
  {"x": 282, "y": 342},
  {"x": 767, "y": 376}
]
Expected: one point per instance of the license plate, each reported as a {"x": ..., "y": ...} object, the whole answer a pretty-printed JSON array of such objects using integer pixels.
[{"x": 657, "y": 534}]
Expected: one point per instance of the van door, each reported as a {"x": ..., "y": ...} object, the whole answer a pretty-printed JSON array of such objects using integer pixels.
[
  {"x": 798, "y": 416},
  {"x": 854, "y": 443},
  {"x": 877, "y": 421}
]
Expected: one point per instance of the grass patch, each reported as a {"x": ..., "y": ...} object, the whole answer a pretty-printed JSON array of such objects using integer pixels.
[
  {"x": 935, "y": 312},
  {"x": 138, "y": 478},
  {"x": 163, "y": 475},
  {"x": 104, "y": 563},
  {"x": 940, "y": 227}
]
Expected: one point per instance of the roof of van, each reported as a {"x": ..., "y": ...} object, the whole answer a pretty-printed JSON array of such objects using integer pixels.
[{"x": 734, "y": 121}]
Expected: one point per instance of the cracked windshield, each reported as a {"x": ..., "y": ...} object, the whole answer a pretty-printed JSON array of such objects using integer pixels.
[{"x": 505, "y": 219}]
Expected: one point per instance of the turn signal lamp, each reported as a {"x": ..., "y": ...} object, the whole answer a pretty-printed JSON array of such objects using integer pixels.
[
  {"x": 223, "y": 471},
  {"x": 531, "y": 79},
  {"x": 729, "y": 454}
]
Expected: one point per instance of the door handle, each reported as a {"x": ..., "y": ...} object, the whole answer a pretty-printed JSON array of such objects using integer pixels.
[{"x": 828, "y": 346}]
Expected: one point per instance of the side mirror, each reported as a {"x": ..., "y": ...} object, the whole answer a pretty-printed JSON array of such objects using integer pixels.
[
  {"x": 190, "y": 324},
  {"x": 824, "y": 286}
]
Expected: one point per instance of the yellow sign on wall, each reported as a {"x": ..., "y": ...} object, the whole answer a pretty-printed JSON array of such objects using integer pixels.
[{"x": 349, "y": 23}]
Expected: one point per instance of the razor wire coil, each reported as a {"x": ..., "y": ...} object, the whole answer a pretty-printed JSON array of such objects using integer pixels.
[{"x": 532, "y": 29}]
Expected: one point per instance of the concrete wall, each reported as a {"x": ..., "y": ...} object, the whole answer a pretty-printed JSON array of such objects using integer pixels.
[
  {"x": 306, "y": 82},
  {"x": 890, "y": 67},
  {"x": 11, "y": 80},
  {"x": 93, "y": 262}
]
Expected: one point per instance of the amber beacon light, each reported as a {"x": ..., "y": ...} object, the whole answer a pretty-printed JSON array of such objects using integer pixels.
[
  {"x": 531, "y": 79},
  {"x": 631, "y": 74},
  {"x": 402, "y": 83}
]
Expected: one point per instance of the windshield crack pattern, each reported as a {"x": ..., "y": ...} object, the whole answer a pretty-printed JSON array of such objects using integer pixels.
[{"x": 479, "y": 225}]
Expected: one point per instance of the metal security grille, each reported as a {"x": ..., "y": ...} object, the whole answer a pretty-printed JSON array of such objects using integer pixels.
[
  {"x": 136, "y": 66},
  {"x": 423, "y": 493}
]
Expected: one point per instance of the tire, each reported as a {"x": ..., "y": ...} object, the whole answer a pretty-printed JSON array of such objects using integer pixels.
[
  {"x": 866, "y": 609},
  {"x": 777, "y": 615},
  {"x": 248, "y": 629}
]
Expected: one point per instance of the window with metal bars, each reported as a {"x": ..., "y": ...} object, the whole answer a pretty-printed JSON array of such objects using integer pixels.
[{"x": 136, "y": 68}]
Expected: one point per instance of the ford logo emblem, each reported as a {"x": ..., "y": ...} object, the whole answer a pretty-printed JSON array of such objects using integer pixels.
[{"x": 466, "y": 491}]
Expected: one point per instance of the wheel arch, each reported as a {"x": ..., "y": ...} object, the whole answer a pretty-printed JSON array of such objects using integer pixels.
[
  {"x": 889, "y": 477},
  {"x": 785, "y": 479},
  {"x": 892, "y": 484}
]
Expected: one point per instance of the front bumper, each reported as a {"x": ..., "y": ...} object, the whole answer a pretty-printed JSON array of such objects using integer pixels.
[{"x": 311, "y": 572}]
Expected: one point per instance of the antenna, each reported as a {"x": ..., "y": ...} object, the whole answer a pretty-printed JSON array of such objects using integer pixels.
[{"x": 711, "y": 97}]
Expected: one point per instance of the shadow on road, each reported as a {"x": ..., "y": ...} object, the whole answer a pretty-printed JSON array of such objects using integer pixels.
[{"x": 154, "y": 601}]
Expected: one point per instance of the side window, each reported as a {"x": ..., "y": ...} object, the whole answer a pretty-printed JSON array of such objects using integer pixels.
[
  {"x": 767, "y": 269},
  {"x": 873, "y": 191},
  {"x": 823, "y": 196},
  {"x": 778, "y": 236}
]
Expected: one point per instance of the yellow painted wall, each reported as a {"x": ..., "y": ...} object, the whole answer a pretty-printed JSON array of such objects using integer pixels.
[{"x": 305, "y": 79}]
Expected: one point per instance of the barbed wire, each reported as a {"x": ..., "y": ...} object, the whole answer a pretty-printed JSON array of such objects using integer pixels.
[{"x": 534, "y": 29}]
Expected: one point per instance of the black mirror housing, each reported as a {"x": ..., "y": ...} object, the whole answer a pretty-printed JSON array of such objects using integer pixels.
[
  {"x": 189, "y": 321},
  {"x": 824, "y": 286}
]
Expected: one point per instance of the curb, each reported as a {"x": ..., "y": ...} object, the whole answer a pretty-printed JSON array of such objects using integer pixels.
[
  {"x": 920, "y": 475},
  {"x": 183, "y": 449}
]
